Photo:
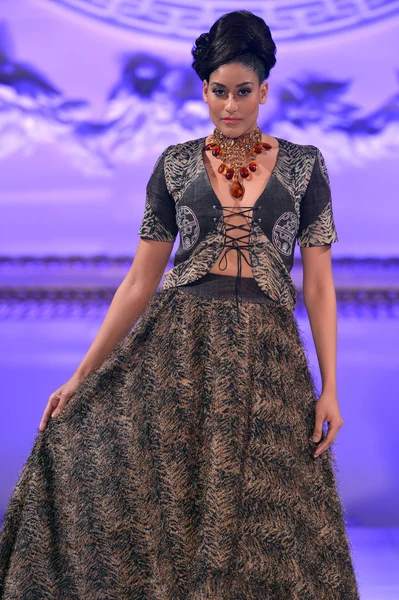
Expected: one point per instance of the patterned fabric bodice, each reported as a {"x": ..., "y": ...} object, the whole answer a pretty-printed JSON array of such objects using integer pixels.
[{"x": 295, "y": 206}]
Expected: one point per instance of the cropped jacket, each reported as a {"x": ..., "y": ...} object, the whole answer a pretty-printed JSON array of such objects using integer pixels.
[{"x": 295, "y": 206}]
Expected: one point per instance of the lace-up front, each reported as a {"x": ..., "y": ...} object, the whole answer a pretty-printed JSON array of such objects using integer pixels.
[{"x": 239, "y": 243}]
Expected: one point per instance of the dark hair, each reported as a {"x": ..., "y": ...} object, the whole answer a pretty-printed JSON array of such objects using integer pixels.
[{"x": 238, "y": 36}]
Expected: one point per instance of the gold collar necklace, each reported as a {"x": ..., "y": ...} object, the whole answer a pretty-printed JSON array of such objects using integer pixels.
[{"x": 234, "y": 152}]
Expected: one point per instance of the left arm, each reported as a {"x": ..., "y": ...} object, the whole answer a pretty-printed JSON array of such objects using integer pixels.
[{"x": 321, "y": 306}]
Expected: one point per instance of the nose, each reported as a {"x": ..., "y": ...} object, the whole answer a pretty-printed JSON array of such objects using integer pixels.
[{"x": 231, "y": 105}]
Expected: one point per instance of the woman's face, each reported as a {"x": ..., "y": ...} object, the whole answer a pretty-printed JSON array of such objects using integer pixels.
[{"x": 234, "y": 91}]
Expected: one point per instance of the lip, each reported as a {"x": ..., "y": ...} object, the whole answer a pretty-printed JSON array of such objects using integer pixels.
[{"x": 231, "y": 120}]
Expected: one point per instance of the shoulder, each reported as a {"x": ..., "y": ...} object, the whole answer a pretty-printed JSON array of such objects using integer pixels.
[
  {"x": 182, "y": 164},
  {"x": 176, "y": 156},
  {"x": 305, "y": 161},
  {"x": 184, "y": 150},
  {"x": 299, "y": 151},
  {"x": 184, "y": 158}
]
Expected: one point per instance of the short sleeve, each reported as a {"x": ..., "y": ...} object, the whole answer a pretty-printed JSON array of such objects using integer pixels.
[
  {"x": 316, "y": 223},
  {"x": 159, "y": 220}
]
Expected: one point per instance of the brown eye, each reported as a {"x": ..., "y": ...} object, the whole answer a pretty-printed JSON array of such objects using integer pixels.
[{"x": 246, "y": 92}]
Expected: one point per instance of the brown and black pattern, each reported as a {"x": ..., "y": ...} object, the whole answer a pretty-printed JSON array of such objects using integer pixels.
[
  {"x": 152, "y": 227},
  {"x": 200, "y": 261},
  {"x": 268, "y": 269},
  {"x": 323, "y": 228},
  {"x": 183, "y": 469},
  {"x": 183, "y": 164}
]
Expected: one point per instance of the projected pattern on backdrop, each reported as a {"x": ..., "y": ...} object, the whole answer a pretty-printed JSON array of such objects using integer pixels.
[
  {"x": 289, "y": 19},
  {"x": 154, "y": 100}
]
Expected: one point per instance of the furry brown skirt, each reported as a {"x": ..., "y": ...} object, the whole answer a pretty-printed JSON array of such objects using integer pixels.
[{"x": 182, "y": 469}]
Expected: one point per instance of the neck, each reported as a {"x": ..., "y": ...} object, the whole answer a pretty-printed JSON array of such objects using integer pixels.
[{"x": 255, "y": 130}]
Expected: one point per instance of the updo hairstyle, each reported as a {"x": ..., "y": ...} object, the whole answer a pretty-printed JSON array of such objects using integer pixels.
[{"x": 238, "y": 36}]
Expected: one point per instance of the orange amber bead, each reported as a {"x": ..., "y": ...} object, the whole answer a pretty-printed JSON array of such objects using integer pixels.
[
  {"x": 217, "y": 151},
  {"x": 237, "y": 191},
  {"x": 265, "y": 145},
  {"x": 244, "y": 172},
  {"x": 229, "y": 173},
  {"x": 252, "y": 166},
  {"x": 222, "y": 168},
  {"x": 257, "y": 149}
]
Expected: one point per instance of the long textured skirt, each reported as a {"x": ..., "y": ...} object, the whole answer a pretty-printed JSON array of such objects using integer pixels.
[{"x": 182, "y": 468}]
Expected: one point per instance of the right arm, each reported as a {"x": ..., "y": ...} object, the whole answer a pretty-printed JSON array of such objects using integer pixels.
[
  {"x": 158, "y": 232},
  {"x": 129, "y": 301}
]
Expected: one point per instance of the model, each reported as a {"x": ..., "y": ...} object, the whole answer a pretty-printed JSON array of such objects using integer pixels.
[{"x": 186, "y": 459}]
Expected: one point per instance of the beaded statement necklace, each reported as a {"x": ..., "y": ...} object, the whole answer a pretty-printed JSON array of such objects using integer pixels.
[{"x": 234, "y": 153}]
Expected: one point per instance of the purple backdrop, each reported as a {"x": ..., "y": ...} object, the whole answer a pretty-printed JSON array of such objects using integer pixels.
[{"x": 90, "y": 95}]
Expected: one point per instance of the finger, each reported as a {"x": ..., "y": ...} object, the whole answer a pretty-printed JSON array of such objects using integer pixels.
[
  {"x": 51, "y": 404},
  {"x": 317, "y": 433},
  {"x": 45, "y": 418},
  {"x": 60, "y": 406},
  {"x": 327, "y": 442},
  {"x": 47, "y": 412},
  {"x": 318, "y": 430}
]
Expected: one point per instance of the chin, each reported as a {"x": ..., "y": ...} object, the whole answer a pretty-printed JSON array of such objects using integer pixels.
[{"x": 232, "y": 130}]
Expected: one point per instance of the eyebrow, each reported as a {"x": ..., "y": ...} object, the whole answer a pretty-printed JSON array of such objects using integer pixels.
[{"x": 239, "y": 85}]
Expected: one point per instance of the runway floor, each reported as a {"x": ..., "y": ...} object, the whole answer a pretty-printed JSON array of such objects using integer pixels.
[{"x": 376, "y": 558}]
